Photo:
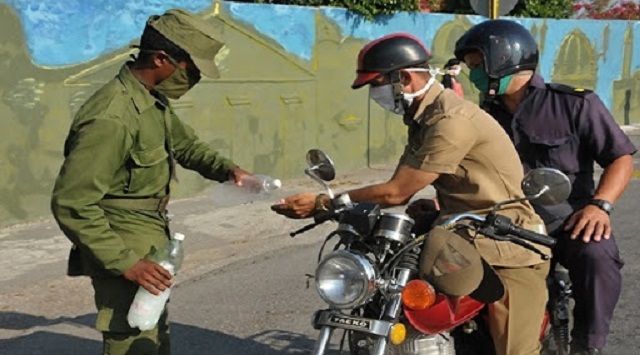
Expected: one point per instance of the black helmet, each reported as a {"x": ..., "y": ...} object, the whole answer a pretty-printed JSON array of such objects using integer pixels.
[
  {"x": 389, "y": 53},
  {"x": 506, "y": 46}
]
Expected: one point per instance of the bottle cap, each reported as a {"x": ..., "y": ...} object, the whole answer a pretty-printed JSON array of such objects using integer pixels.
[
  {"x": 277, "y": 183},
  {"x": 178, "y": 236}
]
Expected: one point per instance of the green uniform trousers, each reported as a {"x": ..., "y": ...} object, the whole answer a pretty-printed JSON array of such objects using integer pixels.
[
  {"x": 113, "y": 297},
  {"x": 516, "y": 319}
]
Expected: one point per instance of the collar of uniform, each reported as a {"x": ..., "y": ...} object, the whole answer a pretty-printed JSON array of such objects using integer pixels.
[
  {"x": 141, "y": 97},
  {"x": 537, "y": 82},
  {"x": 429, "y": 98}
]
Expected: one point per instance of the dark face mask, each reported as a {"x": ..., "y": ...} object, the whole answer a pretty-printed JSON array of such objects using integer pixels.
[{"x": 179, "y": 82}]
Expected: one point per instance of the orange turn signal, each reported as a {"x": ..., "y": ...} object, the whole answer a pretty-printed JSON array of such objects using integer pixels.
[
  {"x": 398, "y": 334},
  {"x": 418, "y": 295}
]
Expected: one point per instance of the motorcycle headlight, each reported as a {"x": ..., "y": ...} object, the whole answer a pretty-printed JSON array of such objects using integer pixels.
[{"x": 345, "y": 279}]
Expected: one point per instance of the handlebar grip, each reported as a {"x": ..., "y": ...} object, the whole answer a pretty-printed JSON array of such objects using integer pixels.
[
  {"x": 533, "y": 236},
  {"x": 504, "y": 226}
]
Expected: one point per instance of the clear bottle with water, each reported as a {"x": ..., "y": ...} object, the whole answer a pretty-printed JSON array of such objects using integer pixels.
[
  {"x": 254, "y": 188},
  {"x": 146, "y": 308}
]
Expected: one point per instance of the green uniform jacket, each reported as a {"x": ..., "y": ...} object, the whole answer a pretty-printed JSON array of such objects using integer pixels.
[{"x": 116, "y": 148}]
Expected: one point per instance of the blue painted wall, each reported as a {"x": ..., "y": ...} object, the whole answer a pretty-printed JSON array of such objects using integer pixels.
[
  {"x": 67, "y": 32},
  {"x": 284, "y": 88}
]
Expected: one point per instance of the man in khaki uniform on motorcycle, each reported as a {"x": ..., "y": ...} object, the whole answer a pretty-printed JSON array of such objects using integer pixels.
[
  {"x": 111, "y": 194},
  {"x": 468, "y": 158}
]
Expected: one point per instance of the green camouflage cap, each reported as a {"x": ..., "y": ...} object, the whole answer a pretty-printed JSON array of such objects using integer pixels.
[{"x": 193, "y": 34}]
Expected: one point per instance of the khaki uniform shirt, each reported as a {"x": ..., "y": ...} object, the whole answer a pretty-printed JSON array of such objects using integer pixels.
[
  {"x": 478, "y": 167},
  {"x": 116, "y": 148}
]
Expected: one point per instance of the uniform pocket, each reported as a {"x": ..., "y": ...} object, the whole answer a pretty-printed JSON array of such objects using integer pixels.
[
  {"x": 557, "y": 152},
  {"x": 149, "y": 171}
]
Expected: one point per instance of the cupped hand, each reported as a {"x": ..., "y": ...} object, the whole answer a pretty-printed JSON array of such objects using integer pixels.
[
  {"x": 150, "y": 275},
  {"x": 590, "y": 223},
  {"x": 297, "y": 206}
]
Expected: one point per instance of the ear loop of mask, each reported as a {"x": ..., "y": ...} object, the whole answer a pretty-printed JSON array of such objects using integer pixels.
[{"x": 408, "y": 98}]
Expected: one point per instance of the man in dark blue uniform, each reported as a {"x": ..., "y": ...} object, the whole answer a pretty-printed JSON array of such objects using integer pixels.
[{"x": 568, "y": 129}]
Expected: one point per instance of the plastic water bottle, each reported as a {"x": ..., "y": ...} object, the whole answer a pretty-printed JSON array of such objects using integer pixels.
[
  {"x": 146, "y": 308},
  {"x": 254, "y": 188}
]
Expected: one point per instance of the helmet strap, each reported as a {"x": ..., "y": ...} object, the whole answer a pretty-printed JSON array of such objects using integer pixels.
[
  {"x": 494, "y": 86},
  {"x": 396, "y": 83}
]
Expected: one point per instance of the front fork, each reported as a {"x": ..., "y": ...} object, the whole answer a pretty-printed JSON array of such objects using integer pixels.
[
  {"x": 391, "y": 314},
  {"x": 323, "y": 340}
]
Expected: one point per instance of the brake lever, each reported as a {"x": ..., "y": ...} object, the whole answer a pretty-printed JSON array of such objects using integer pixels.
[
  {"x": 490, "y": 232},
  {"x": 318, "y": 220},
  {"x": 306, "y": 228}
]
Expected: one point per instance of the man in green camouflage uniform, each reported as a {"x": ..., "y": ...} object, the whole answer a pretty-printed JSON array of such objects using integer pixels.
[{"x": 110, "y": 196}]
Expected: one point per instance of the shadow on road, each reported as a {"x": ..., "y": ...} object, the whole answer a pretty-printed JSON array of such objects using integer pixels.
[{"x": 46, "y": 338}]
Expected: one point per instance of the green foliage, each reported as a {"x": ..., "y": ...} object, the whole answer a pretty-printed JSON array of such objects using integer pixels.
[
  {"x": 451, "y": 6},
  {"x": 367, "y": 8},
  {"x": 524, "y": 8},
  {"x": 544, "y": 8},
  {"x": 371, "y": 8}
]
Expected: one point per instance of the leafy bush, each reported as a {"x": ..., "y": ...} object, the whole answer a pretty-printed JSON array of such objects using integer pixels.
[
  {"x": 544, "y": 9},
  {"x": 367, "y": 8},
  {"x": 597, "y": 9}
]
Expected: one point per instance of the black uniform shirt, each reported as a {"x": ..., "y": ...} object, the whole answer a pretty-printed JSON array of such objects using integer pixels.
[{"x": 569, "y": 129}]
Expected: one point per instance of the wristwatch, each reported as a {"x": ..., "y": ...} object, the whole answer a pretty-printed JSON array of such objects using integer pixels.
[{"x": 602, "y": 204}]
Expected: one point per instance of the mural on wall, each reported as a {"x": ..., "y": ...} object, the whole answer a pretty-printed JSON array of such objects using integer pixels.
[{"x": 284, "y": 88}]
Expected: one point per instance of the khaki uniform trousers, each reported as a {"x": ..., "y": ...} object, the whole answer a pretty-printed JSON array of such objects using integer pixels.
[{"x": 516, "y": 319}]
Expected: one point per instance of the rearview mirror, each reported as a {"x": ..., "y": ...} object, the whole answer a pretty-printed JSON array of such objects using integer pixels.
[
  {"x": 320, "y": 165},
  {"x": 546, "y": 186},
  {"x": 321, "y": 168}
]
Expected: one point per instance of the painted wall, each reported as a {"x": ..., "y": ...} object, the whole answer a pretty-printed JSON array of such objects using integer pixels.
[{"x": 285, "y": 83}]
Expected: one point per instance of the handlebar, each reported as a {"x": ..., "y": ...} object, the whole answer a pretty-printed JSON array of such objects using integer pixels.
[
  {"x": 504, "y": 226},
  {"x": 501, "y": 228}
]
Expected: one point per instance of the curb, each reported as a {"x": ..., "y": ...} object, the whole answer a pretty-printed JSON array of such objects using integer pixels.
[{"x": 632, "y": 130}]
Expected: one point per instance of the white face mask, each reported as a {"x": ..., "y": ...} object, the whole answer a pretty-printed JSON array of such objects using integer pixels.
[{"x": 383, "y": 95}]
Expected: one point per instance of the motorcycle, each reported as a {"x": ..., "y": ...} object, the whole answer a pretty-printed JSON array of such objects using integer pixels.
[
  {"x": 370, "y": 279},
  {"x": 559, "y": 308}
]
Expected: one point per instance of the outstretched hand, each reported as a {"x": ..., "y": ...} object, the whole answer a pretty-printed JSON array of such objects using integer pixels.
[
  {"x": 150, "y": 275},
  {"x": 302, "y": 205},
  {"x": 591, "y": 223},
  {"x": 237, "y": 175}
]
